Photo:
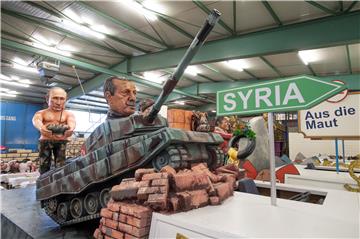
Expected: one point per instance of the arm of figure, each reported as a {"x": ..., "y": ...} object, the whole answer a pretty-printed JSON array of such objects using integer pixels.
[
  {"x": 38, "y": 123},
  {"x": 71, "y": 122}
]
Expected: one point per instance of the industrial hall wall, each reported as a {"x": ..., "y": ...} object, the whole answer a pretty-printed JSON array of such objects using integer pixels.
[{"x": 17, "y": 131}]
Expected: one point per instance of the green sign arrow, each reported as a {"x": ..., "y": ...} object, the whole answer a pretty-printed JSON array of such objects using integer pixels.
[{"x": 290, "y": 94}]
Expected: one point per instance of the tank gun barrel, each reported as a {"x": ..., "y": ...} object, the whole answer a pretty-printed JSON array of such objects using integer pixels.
[{"x": 185, "y": 61}]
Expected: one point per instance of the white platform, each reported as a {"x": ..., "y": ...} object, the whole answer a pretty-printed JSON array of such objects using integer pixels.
[
  {"x": 320, "y": 178},
  {"x": 252, "y": 216}
]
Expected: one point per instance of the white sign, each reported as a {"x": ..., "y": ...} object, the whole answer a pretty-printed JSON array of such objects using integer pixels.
[{"x": 332, "y": 120}]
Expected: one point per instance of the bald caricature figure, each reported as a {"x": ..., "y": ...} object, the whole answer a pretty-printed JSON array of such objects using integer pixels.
[{"x": 52, "y": 144}]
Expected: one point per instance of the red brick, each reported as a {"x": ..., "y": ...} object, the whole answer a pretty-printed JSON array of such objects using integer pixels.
[
  {"x": 223, "y": 190},
  {"x": 96, "y": 233},
  {"x": 211, "y": 190},
  {"x": 164, "y": 189},
  {"x": 107, "y": 237},
  {"x": 136, "y": 222},
  {"x": 142, "y": 171},
  {"x": 229, "y": 178},
  {"x": 199, "y": 198},
  {"x": 214, "y": 200},
  {"x": 115, "y": 216},
  {"x": 102, "y": 221},
  {"x": 184, "y": 200},
  {"x": 135, "y": 210},
  {"x": 229, "y": 168},
  {"x": 111, "y": 223},
  {"x": 160, "y": 182},
  {"x": 128, "y": 236},
  {"x": 190, "y": 181},
  {"x": 112, "y": 233},
  {"x": 152, "y": 176},
  {"x": 144, "y": 184},
  {"x": 144, "y": 192},
  {"x": 106, "y": 213},
  {"x": 157, "y": 201},
  {"x": 138, "y": 232},
  {"x": 113, "y": 206},
  {"x": 202, "y": 167},
  {"x": 126, "y": 190},
  {"x": 169, "y": 170}
]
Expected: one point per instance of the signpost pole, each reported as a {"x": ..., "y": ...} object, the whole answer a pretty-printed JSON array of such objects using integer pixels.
[
  {"x": 343, "y": 150},
  {"x": 272, "y": 158},
  {"x": 337, "y": 155}
]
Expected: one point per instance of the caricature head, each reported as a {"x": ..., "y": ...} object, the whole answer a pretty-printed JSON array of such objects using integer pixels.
[
  {"x": 120, "y": 94},
  {"x": 56, "y": 98}
]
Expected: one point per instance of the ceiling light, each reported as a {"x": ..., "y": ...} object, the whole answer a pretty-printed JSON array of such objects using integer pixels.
[
  {"x": 73, "y": 16},
  {"x": 20, "y": 61},
  {"x": 12, "y": 92},
  {"x": 100, "y": 28},
  {"x": 25, "y": 81},
  {"x": 51, "y": 49},
  {"x": 25, "y": 68},
  {"x": 14, "y": 77},
  {"x": 139, "y": 8},
  {"x": 238, "y": 65},
  {"x": 214, "y": 111},
  {"x": 6, "y": 94},
  {"x": 192, "y": 70},
  {"x": 179, "y": 102},
  {"x": 80, "y": 28},
  {"x": 154, "y": 77},
  {"x": 152, "y": 5},
  {"x": 13, "y": 83},
  {"x": 4, "y": 89},
  {"x": 4, "y": 77},
  {"x": 308, "y": 56},
  {"x": 66, "y": 48},
  {"x": 46, "y": 41}
]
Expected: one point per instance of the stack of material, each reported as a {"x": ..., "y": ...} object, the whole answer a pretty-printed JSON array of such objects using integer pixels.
[
  {"x": 123, "y": 220},
  {"x": 180, "y": 119},
  {"x": 73, "y": 148},
  {"x": 164, "y": 191}
]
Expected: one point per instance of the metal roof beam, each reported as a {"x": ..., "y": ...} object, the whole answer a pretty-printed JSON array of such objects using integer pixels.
[
  {"x": 122, "y": 24},
  {"x": 348, "y": 59},
  {"x": 321, "y": 7},
  {"x": 272, "y": 12},
  {"x": 58, "y": 30},
  {"x": 94, "y": 84},
  {"x": 329, "y": 31},
  {"x": 202, "y": 6}
]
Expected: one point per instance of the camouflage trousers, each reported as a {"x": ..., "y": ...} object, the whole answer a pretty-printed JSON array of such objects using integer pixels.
[{"x": 51, "y": 154}]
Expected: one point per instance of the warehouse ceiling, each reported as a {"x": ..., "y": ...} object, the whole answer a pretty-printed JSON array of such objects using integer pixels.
[{"x": 144, "y": 40}]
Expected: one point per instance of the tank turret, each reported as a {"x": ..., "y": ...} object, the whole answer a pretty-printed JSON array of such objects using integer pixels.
[{"x": 77, "y": 191}]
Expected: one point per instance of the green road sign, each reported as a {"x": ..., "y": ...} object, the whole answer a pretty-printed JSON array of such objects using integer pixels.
[{"x": 290, "y": 94}]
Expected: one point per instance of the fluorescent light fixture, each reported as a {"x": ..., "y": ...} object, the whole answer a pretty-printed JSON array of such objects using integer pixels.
[
  {"x": 20, "y": 61},
  {"x": 214, "y": 111},
  {"x": 25, "y": 81},
  {"x": 14, "y": 77},
  {"x": 24, "y": 68},
  {"x": 66, "y": 48},
  {"x": 73, "y": 16},
  {"x": 238, "y": 65},
  {"x": 53, "y": 84},
  {"x": 4, "y": 89},
  {"x": 46, "y": 41},
  {"x": 154, "y": 77},
  {"x": 155, "y": 6},
  {"x": 13, "y": 83},
  {"x": 178, "y": 102},
  {"x": 51, "y": 49},
  {"x": 192, "y": 70},
  {"x": 308, "y": 56},
  {"x": 100, "y": 28},
  {"x": 80, "y": 28},
  {"x": 4, "y": 77},
  {"x": 12, "y": 92},
  {"x": 139, "y": 8},
  {"x": 6, "y": 94}
]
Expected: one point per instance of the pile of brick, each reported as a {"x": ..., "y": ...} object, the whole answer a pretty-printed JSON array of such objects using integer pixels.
[
  {"x": 123, "y": 220},
  {"x": 165, "y": 191}
]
